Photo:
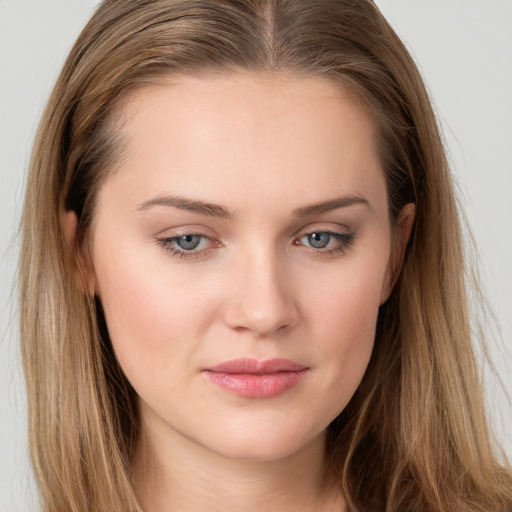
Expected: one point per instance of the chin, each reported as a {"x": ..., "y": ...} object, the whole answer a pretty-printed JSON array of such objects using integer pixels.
[{"x": 264, "y": 444}]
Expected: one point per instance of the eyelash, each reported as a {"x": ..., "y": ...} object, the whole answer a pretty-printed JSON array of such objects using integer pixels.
[
  {"x": 344, "y": 241},
  {"x": 170, "y": 245}
]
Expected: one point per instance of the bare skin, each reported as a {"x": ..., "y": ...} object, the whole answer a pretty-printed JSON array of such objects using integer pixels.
[
  {"x": 295, "y": 483},
  {"x": 247, "y": 220}
]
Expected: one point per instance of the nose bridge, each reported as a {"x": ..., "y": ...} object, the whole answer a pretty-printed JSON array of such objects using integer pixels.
[{"x": 261, "y": 298}]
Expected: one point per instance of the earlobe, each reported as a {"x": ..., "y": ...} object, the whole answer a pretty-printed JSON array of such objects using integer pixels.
[
  {"x": 401, "y": 237},
  {"x": 79, "y": 257}
]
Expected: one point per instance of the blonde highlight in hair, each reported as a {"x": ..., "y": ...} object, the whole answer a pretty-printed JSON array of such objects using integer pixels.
[{"x": 414, "y": 436}]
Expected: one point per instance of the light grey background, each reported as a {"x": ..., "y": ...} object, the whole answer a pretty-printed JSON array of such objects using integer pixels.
[{"x": 464, "y": 49}]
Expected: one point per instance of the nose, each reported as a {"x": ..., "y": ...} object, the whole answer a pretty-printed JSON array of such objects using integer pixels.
[{"x": 261, "y": 296}]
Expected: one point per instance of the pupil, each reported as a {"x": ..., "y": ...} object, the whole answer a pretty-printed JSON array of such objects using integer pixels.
[
  {"x": 319, "y": 240},
  {"x": 188, "y": 242}
]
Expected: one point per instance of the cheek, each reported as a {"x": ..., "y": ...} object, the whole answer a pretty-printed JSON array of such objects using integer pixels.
[
  {"x": 349, "y": 301},
  {"x": 156, "y": 314},
  {"x": 343, "y": 317}
]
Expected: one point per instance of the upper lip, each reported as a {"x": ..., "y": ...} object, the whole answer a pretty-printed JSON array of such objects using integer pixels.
[{"x": 254, "y": 366}]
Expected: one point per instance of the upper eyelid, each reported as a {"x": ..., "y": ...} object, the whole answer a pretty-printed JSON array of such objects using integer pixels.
[
  {"x": 202, "y": 230},
  {"x": 295, "y": 238},
  {"x": 216, "y": 244},
  {"x": 186, "y": 233},
  {"x": 327, "y": 230},
  {"x": 319, "y": 228},
  {"x": 186, "y": 230},
  {"x": 177, "y": 236},
  {"x": 169, "y": 243}
]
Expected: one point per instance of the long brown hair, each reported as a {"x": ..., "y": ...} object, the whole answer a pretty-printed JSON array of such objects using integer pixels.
[{"x": 414, "y": 436}]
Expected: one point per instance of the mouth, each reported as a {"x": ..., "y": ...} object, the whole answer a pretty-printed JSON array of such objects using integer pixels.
[{"x": 256, "y": 379}]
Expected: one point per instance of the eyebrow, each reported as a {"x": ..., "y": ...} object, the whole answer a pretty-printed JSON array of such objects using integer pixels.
[
  {"x": 191, "y": 205},
  {"x": 332, "y": 204},
  {"x": 215, "y": 210}
]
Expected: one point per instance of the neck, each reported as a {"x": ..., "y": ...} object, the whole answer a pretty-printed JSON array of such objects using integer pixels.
[{"x": 177, "y": 474}]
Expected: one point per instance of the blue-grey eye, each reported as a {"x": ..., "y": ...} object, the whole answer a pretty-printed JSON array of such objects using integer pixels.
[
  {"x": 188, "y": 242},
  {"x": 319, "y": 240}
]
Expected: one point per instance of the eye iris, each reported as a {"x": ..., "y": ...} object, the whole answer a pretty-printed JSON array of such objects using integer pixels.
[
  {"x": 188, "y": 242},
  {"x": 319, "y": 240}
]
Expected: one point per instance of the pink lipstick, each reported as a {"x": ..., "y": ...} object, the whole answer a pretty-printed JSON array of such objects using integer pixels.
[{"x": 256, "y": 379}]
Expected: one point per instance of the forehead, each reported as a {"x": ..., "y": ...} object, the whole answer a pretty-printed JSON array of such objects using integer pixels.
[{"x": 236, "y": 137}]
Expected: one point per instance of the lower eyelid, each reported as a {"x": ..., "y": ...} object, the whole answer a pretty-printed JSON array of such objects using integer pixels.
[
  {"x": 343, "y": 242},
  {"x": 169, "y": 244}
]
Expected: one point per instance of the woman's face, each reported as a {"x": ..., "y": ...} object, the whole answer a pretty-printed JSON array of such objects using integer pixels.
[{"x": 241, "y": 251}]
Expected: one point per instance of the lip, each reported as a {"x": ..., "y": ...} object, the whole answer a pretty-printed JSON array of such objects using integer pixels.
[{"x": 256, "y": 379}]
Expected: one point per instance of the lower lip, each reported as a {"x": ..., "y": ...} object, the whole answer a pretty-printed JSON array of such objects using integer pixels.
[{"x": 254, "y": 385}]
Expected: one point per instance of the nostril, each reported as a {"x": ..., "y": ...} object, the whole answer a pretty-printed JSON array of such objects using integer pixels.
[
  {"x": 261, "y": 298},
  {"x": 261, "y": 320}
]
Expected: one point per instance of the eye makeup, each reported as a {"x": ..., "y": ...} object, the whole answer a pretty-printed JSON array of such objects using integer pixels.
[
  {"x": 317, "y": 242},
  {"x": 188, "y": 245},
  {"x": 326, "y": 243}
]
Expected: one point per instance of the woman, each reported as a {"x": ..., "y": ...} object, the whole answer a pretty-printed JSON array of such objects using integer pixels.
[{"x": 242, "y": 271}]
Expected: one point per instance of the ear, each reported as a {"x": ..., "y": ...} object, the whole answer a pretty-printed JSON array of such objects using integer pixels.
[
  {"x": 401, "y": 236},
  {"x": 79, "y": 255}
]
